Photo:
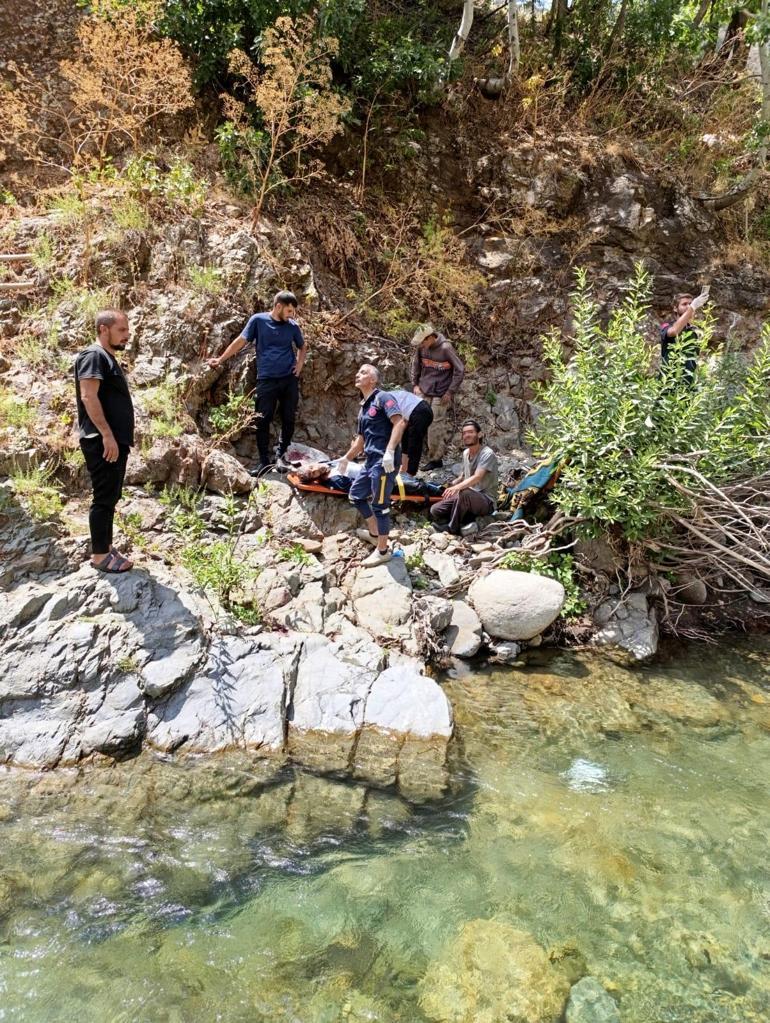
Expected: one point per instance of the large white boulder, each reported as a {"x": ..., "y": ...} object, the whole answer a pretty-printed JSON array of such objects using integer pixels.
[{"x": 516, "y": 605}]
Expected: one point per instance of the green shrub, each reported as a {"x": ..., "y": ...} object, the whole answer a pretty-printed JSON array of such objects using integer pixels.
[
  {"x": 163, "y": 405},
  {"x": 216, "y": 567},
  {"x": 295, "y": 552},
  {"x": 40, "y": 497},
  {"x": 183, "y": 506},
  {"x": 234, "y": 414},
  {"x": 555, "y": 566},
  {"x": 177, "y": 186},
  {"x": 14, "y": 411},
  {"x": 207, "y": 280},
  {"x": 618, "y": 421}
]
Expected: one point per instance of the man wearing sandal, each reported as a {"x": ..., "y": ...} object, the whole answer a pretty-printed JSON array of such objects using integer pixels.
[{"x": 106, "y": 428}]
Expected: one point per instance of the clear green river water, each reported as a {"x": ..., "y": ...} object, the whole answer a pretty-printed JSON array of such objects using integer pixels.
[{"x": 619, "y": 818}]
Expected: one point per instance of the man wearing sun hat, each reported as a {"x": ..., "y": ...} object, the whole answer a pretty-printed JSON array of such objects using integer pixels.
[{"x": 436, "y": 374}]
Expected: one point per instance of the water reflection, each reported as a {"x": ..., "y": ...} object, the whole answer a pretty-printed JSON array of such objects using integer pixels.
[{"x": 618, "y": 821}]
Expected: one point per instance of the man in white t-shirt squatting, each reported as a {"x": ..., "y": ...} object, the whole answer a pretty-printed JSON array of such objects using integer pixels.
[{"x": 475, "y": 492}]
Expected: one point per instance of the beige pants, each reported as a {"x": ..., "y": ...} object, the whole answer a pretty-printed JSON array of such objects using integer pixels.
[{"x": 441, "y": 428}]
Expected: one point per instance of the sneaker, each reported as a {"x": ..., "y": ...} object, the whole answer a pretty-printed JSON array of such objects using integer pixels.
[
  {"x": 259, "y": 470},
  {"x": 378, "y": 558},
  {"x": 366, "y": 536},
  {"x": 282, "y": 465},
  {"x": 436, "y": 463},
  {"x": 440, "y": 527},
  {"x": 470, "y": 530}
]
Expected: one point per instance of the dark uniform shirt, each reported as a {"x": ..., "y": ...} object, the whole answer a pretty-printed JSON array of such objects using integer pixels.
[
  {"x": 94, "y": 363},
  {"x": 374, "y": 423},
  {"x": 686, "y": 345},
  {"x": 275, "y": 342}
]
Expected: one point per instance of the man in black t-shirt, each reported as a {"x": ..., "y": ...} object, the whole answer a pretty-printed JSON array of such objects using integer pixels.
[
  {"x": 106, "y": 428},
  {"x": 681, "y": 337}
]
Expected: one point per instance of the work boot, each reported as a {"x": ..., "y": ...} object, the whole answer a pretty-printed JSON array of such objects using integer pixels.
[
  {"x": 435, "y": 463},
  {"x": 378, "y": 558}
]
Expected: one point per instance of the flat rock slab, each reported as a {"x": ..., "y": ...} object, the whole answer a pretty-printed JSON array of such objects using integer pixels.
[
  {"x": 237, "y": 700},
  {"x": 463, "y": 636}
]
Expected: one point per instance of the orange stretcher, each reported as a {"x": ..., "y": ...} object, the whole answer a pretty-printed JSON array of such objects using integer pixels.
[{"x": 399, "y": 492}]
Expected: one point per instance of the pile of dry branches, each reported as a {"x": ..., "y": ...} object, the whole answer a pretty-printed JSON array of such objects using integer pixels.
[{"x": 723, "y": 532}]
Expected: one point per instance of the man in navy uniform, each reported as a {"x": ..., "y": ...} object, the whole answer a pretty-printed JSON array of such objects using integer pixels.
[
  {"x": 378, "y": 436},
  {"x": 281, "y": 350}
]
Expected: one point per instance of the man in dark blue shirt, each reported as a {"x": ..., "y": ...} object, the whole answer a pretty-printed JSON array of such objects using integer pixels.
[
  {"x": 379, "y": 430},
  {"x": 280, "y": 349}
]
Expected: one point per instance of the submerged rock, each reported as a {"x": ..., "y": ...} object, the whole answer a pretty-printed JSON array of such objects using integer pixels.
[
  {"x": 590, "y": 1003},
  {"x": 630, "y": 628},
  {"x": 491, "y": 973},
  {"x": 516, "y": 605}
]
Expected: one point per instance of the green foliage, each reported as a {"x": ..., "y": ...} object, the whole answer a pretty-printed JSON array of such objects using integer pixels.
[
  {"x": 619, "y": 422},
  {"x": 132, "y": 527},
  {"x": 15, "y": 412},
  {"x": 178, "y": 186},
  {"x": 183, "y": 506},
  {"x": 69, "y": 208},
  {"x": 40, "y": 497},
  {"x": 216, "y": 567},
  {"x": 296, "y": 553},
  {"x": 415, "y": 561},
  {"x": 241, "y": 149},
  {"x": 560, "y": 567},
  {"x": 84, "y": 302},
  {"x": 163, "y": 404},
  {"x": 400, "y": 51},
  {"x": 207, "y": 280},
  {"x": 128, "y": 664},
  {"x": 43, "y": 257},
  {"x": 234, "y": 414},
  {"x": 129, "y": 214}
]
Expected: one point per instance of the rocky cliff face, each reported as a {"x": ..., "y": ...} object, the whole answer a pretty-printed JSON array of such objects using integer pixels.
[{"x": 334, "y": 677}]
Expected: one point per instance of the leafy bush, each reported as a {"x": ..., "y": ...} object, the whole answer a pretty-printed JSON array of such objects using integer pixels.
[
  {"x": 163, "y": 404},
  {"x": 183, "y": 506},
  {"x": 620, "y": 423},
  {"x": 298, "y": 108},
  {"x": 216, "y": 567},
  {"x": 14, "y": 411},
  {"x": 177, "y": 186},
  {"x": 295, "y": 552},
  {"x": 556, "y": 566},
  {"x": 207, "y": 280},
  {"x": 396, "y": 52},
  {"x": 232, "y": 415},
  {"x": 40, "y": 497}
]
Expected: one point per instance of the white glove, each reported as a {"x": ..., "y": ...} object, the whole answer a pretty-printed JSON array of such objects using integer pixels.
[
  {"x": 700, "y": 300},
  {"x": 342, "y": 466},
  {"x": 388, "y": 463}
]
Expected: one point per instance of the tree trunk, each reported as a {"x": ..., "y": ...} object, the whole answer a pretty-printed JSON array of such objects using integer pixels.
[
  {"x": 514, "y": 46},
  {"x": 701, "y": 12},
  {"x": 617, "y": 29},
  {"x": 463, "y": 31}
]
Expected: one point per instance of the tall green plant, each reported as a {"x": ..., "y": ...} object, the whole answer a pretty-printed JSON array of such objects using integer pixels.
[{"x": 619, "y": 421}]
